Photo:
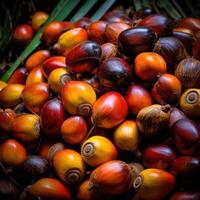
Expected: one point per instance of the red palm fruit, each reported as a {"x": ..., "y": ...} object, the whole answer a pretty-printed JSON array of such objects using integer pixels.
[
  {"x": 111, "y": 178},
  {"x": 26, "y": 127},
  {"x": 175, "y": 115},
  {"x": 83, "y": 22},
  {"x": 84, "y": 57},
  {"x": 96, "y": 31},
  {"x": 187, "y": 169},
  {"x": 186, "y": 136},
  {"x": 68, "y": 25},
  {"x": 7, "y": 118},
  {"x": 109, "y": 50},
  {"x": 97, "y": 150},
  {"x": 74, "y": 129},
  {"x": 36, "y": 59},
  {"x": 19, "y": 76},
  {"x": 167, "y": 89},
  {"x": 159, "y": 23},
  {"x": 158, "y": 156},
  {"x": 38, "y": 19},
  {"x": 138, "y": 97},
  {"x": 49, "y": 189},
  {"x": 36, "y": 75},
  {"x": 35, "y": 95},
  {"x": 78, "y": 97},
  {"x": 109, "y": 110},
  {"x": 190, "y": 23},
  {"x": 52, "y": 32},
  {"x": 10, "y": 95},
  {"x": 12, "y": 152},
  {"x": 52, "y": 63},
  {"x": 44, "y": 148},
  {"x": 23, "y": 34},
  {"x": 185, "y": 196},
  {"x": 115, "y": 73},
  {"x": 52, "y": 116},
  {"x": 154, "y": 184}
]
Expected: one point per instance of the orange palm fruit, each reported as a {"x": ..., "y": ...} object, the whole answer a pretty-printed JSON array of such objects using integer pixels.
[
  {"x": 52, "y": 63},
  {"x": 126, "y": 136},
  {"x": 7, "y": 118},
  {"x": 26, "y": 127},
  {"x": 69, "y": 39},
  {"x": 109, "y": 110},
  {"x": 10, "y": 95},
  {"x": 19, "y": 76},
  {"x": 74, "y": 129},
  {"x": 35, "y": 95},
  {"x": 69, "y": 166},
  {"x": 78, "y": 97},
  {"x": 12, "y": 152},
  {"x": 154, "y": 184},
  {"x": 37, "y": 59},
  {"x": 98, "y": 150},
  {"x": 49, "y": 189},
  {"x": 149, "y": 65},
  {"x": 2, "y": 85},
  {"x": 35, "y": 76},
  {"x": 38, "y": 19},
  {"x": 58, "y": 77}
]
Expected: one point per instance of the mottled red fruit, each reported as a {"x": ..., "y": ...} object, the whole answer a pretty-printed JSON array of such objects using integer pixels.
[
  {"x": 114, "y": 73},
  {"x": 185, "y": 196},
  {"x": 186, "y": 136},
  {"x": 52, "y": 116},
  {"x": 23, "y": 34},
  {"x": 109, "y": 110},
  {"x": 19, "y": 76},
  {"x": 175, "y": 115},
  {"x": 7, "y": 118},
  {"x": 158, "y": 156},
  {"x": 138, "y": 97}
]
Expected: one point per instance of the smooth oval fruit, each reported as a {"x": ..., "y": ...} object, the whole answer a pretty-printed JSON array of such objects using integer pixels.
[
  {"x": 19, "y": 76},
  {"x": 38, "y": 19},
  {"x": 35, "y": 76}
]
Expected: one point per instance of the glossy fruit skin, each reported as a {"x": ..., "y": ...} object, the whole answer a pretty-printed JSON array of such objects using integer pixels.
[
  {"x": 159, "y": 23},
  {"x": 19, "y": 76},
  {"x": 113, "y": 30},
  {"x": 2, "y": 85},
  {"x": 149, "y": 65},
  {"x": 109, "y": 50},
  {"x": 171, "y": 49},
  {"x": 10, "y": 95},
  {"x": 187, "y": 72},
  {"x": 69, "y": 39},
  {"x": 84, "y": 57},
  {"x": 136, "y": 40},
  {"x": 109, "y": 110},
  {"x": 137, "y": 97},
  {"x": 185, "y": 196},
  {"x": 69, "y": 166},
  {"x": 23, "y": 34},
  {"x": 167, "y": 89},
  {"x": 49, "y": 189},
  {"x": 186, "y": 136},
  {"x": 37, "y": 59},
  {"x": 97, "y": 150},
  {"x": 96, "y": 31},
  {"x": 26, "y": 127},
  {"x": 7, "y": 118},
  {"x": 111, "y": 178},
  {"x": 36, "y": 75},
  {"x": 85, "y": 194},
  {"x": 190, "y": 23},
  {"x": 76, "y": 94},
  {"x": 52, "y": 32},
  {"x": 12, "y": 152},
  {"x": 114, "y": 73},
  {"x": 190, "y": 103},
  {"x": 74, "y": 129},
  {"x": 154, "y": 184},
  {"x": 158, "y": 156},
  {"x": 38, "y": 19},
  {"x": 58, "y": 77},
  {"x": 52, "y": 63},
  {"x": 175, "y": 115},
  {"x": 187, "y": 170},
  {"x": 126, "y": 136},
  {"x": 35, "y": 95},
  {"x": 83, "y": 22},
  {"x": 52, "y": 116}
]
